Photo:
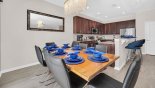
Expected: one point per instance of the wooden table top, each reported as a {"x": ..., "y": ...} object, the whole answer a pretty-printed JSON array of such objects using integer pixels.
[{"x": 88, "y": 69}]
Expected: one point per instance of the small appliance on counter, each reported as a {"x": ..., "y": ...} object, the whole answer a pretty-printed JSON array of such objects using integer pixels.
[
  {"x": 91, "y": 37},
  {"x": 79, "y": 37},
  {"x": 94, "y": 30}
]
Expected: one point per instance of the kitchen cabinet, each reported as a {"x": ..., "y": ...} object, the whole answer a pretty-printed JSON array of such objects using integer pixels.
[{"x": 84, "y": 26}]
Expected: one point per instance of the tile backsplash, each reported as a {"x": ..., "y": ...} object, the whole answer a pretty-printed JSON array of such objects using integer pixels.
[{"x": 95, "y": 35}]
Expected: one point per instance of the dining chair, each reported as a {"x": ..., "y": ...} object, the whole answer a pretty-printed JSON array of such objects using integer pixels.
[
  {"x": 40, "y": 56},
  {"x": 105, "y": 81},
  {"x": 83, "y": 46},
  {"x": 74, "y": 43},
  {"x": 61, "y": 74},
  {"x": 101, "y": 48},
  {"x": 46, "y": 75},
  {"x": 49, "y": 43},
  {"x": 134, "y": 47}
]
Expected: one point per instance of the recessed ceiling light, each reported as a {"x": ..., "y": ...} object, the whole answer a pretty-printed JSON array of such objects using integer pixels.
[
  {"x": 106, "y": 16},
  {"x": 118, "y": 7},
  {"x": 87, "y": 7}
]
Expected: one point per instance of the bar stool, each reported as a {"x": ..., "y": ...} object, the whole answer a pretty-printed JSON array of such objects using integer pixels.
[{"x": 134, "y": 46}]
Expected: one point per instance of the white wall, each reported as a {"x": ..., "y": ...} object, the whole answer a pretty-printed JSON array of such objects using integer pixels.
[
  {"x": 17, "y": 42},
  {"x": 141, "y": 19},
  {"x": 0, "y": 39}
]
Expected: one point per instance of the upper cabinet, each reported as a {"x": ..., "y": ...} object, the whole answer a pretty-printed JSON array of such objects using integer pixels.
[{"x": 84, "y": 26}]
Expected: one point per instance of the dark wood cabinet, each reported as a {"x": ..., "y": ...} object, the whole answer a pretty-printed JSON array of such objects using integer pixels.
[{"x": 84, "y": 26}]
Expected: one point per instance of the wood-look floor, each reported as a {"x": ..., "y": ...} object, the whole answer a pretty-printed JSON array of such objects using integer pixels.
[{"x": 25, "y": 78}]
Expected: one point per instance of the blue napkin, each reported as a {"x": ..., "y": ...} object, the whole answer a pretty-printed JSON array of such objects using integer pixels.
[
  {"x": 77, "y": 47},
  {"x": 74, "y": 60},
  {"x": 49, "y": 48},
  {"x": 90, "y": 50},
  {"x": 98, "y": 60},
  {"x": 73, "y": 55},
  {"x": 60, "y": 51},
  {"x": 66, "y": 46}
]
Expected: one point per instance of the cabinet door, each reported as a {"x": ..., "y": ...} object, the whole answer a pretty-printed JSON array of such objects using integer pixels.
[
  {"x": 80, "y": 25},
  {"x": 90, "y": 25},
  {"x": 112, "y": 28},
  {"x": 107, "y": 28},
  {"x": 74, "y": 25},
  {"x": 98, "y": 27},
  {"x": 103, "y": 29},
  {"x": 120, "y": 25}
]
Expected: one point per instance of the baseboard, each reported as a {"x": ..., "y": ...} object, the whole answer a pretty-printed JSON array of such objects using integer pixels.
[
  {"x": 119, "y": 68},
  {"x": 19, "y": 67}
]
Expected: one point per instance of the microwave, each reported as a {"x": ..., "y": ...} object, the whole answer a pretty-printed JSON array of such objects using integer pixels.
[{"x": 94, "y": 31}]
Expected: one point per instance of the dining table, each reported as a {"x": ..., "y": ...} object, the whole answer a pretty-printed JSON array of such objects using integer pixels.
[{"x": 89, "y": 69}]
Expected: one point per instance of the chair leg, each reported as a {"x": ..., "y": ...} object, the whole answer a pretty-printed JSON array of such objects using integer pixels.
[
  {"x": 41, "y": 73},
  {"x": 141, "y": 55},
  {"x": 50, "y": 83},
  {"x": 46, "y": 77},
  {"x": 128, "y": 55},
  {"x": 40, "y": 70},
  {"x": 86, "y": 85}
]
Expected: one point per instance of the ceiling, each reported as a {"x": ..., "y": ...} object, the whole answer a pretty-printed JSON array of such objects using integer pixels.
[{"x": 104, "y": 10}]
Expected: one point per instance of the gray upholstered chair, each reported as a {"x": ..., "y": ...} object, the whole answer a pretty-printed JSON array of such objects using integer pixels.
[
  {"x": 83, "y": 46},
  {"x": 49, "y": 43},
  {"x": 74, "y": 43},
  {"x": 45, "y": 74},
  {"x": 101, "y": 48},
  {"x": 40, "y": 56},
  {"x": 105, "y": 81},
  {"x": 61, "y": 74}
]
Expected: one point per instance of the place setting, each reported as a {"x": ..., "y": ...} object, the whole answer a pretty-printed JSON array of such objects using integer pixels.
[
  {"x": 98, "y": 57},
  {"x": 51, "y": 47},
  {"x": 90, "y": 50},
  {"x": 73, "y": 58},
  {"x": 59, "y": 52},
  {"x": 66, "y": 46},
  {"x": 76, "y": 47}
]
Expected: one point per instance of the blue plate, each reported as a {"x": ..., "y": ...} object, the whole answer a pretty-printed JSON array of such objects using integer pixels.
[
  {"x": 57, "y": 54},
  {"x": 99, "y": 60},
  {"x": 74, "y": 62},
  {"x": 88, "y": 52}
]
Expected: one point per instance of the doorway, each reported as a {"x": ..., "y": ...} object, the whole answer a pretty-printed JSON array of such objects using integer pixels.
[{"x": 150, "y": 37}]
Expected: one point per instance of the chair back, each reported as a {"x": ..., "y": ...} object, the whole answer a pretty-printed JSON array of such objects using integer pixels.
[
  {"x": 74, "y": 43},
  {"x": 83, "y": 46},
  {"x": 101, "y": 48},
  {"x": 40, "y": 56},
  {"x": 141, "y": 42},
  {"x": 136, "y": 44},
  {"x": 132, "y": 73},
  {"x": 49, "y": 43},
  {"x": 59, "y": 69}
]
